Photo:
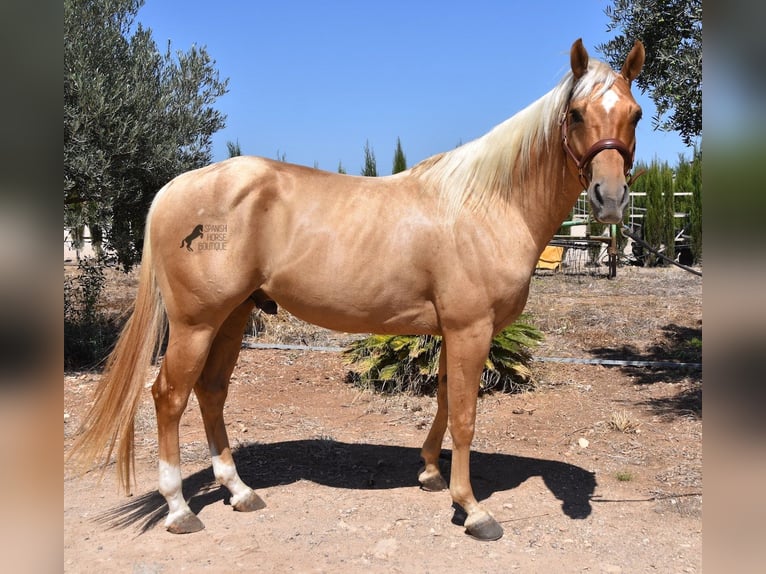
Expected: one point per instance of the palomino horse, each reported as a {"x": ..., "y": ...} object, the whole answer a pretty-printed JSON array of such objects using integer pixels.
[{"x": 446, "y": 248}]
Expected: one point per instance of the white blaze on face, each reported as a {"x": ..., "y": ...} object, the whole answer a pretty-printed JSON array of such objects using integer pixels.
[{"x": 609, "y": 99}]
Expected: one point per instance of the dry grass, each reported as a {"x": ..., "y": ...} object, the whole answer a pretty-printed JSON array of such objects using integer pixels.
[
  {"x": 578, "y": 313},
  {"x": 624, "y": 422},
  {"x": 284, "y": 328}
]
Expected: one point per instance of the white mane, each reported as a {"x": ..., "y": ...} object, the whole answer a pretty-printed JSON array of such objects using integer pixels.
[{"x": 484, "y": 167}]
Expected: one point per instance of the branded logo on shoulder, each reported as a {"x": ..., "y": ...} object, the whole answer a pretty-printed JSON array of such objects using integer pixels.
[{"x": 210, "y": 236}]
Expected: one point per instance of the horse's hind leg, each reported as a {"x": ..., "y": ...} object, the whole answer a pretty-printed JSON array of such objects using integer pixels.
[
  {"x": 184, "y": 359},
  {"x": 211, "y": 390},
  {"x": 430, "y": 476}
]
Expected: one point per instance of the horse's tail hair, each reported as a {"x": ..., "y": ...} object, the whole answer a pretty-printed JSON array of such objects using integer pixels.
[{"x": 110, "y": 420}]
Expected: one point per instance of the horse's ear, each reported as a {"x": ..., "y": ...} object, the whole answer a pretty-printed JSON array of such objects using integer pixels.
[
  {"x": 634, "y": 62},
  {"x": 578, "y": 58}
]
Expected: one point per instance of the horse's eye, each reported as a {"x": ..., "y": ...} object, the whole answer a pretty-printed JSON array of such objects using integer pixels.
[
  {"x": 575, "y": 116},
  {"x": 637, "y": 117}
]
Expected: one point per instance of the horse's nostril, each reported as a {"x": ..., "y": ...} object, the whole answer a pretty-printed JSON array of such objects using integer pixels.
[
  {"x": 625, "y": 193},
  {"x": 597, "y": 193}
]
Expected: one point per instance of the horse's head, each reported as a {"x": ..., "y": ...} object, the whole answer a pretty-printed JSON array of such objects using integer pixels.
[{"x": 599, "y": 133}]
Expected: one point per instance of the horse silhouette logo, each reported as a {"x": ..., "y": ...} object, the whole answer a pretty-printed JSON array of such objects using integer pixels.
[{"x": 191, "y": 237}]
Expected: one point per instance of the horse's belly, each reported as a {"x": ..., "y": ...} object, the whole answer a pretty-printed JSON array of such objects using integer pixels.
[{"x": 352, "y": 313}]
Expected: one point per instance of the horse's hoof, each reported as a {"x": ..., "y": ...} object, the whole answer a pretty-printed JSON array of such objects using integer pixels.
[
  {"x": 185, "y": 524},
  {"x": 250, "y": 502},
  {"x": 484, "y": 528},
  {"x": 432, "y": 482}
]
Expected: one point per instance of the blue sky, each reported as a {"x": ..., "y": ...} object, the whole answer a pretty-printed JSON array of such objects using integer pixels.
[{"x": 315, "y": 80}]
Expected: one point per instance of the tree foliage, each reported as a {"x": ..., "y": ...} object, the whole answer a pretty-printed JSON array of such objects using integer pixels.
[
  {"x": 689, "y": 178},
  {"x": 671, "y": 31},
  {"x": 89, "y": 334},
  {"x": 234, "y": 149},
  {"x": 133, "y": 119},
  {"x": 658, "y": 225},
  {"x": 669, "y": 201},
  {"x": 400, "y": 160},
  {"x": 370, "y": 168}
]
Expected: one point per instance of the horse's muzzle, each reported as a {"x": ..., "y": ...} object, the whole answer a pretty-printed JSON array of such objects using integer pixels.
[{"x": 608, "y": 201}]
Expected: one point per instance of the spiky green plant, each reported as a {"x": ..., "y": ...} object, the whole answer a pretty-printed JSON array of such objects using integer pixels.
[{"x": 407, "y": 363}]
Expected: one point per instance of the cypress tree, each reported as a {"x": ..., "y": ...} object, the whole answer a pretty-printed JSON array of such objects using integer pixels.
[
  {"x": 659, "y": 225},
  {"x": 651, "y": 226},
  {"x": 400, "y": 161},
  {"x": 233, "y": 148},
  {"x": 695, "y": 209},
  {"x": 370, "y": 167},
  {"x": 668, "y": 204}
]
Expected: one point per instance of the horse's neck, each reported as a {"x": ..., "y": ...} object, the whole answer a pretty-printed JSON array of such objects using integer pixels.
[{"x": 547, "y": 194}]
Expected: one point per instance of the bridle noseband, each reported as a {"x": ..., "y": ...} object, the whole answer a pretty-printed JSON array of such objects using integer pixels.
[{"x": 601, "y": 145}]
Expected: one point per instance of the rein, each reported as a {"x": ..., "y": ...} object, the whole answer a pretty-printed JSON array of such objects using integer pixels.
[{"x": 609, "y": 143}]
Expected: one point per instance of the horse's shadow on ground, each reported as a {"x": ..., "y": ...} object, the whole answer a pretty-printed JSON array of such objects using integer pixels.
[
  {"x": 359, "y": 466},
  {"x": 678, "y": 344}
]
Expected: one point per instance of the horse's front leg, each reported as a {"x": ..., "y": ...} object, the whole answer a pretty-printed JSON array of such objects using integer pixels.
[
  {"x": 430, "y": 476},
  {"x": 466, "y": 354},
  {"x": 211, "y": 391}
]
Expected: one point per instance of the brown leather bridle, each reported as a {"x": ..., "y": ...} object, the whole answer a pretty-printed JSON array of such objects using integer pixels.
[{"x": 582, "y": 163}]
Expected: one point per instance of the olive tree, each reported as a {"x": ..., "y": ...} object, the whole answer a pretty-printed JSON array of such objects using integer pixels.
[{"x": 134, "y": 117}]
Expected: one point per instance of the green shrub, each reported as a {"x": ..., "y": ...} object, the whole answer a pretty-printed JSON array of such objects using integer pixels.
[
  {"x": 88, "y": 333},
  {"x": 407, "y": 363}
]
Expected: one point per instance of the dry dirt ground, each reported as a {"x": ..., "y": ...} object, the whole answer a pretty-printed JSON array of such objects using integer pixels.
[{"x": 597, "y": 470}]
